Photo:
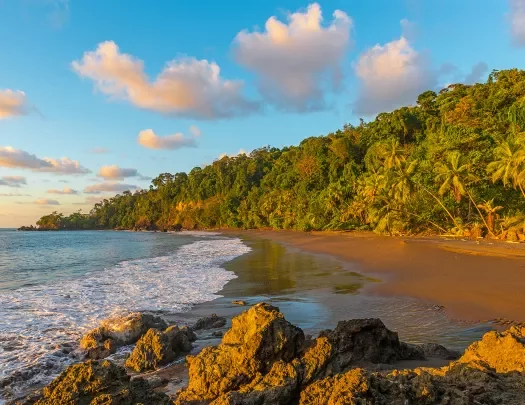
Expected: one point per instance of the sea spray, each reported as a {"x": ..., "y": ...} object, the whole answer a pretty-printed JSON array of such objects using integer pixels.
[{"x": 42, "y": 324}]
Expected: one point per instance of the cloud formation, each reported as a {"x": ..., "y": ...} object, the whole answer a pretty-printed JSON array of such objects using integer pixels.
[
  {"x": 90, "y": 200},
  {"x": 477, "y": 74},
  {"x": 65, "y": 190},
  {"x": 46, "y": 201},
  {"x": 241, "y": 152},
  {"x": 13, "y": 181},
  {"x": 13, "y": 103},
  {"x": 185, "y": 87},
  {"x": 14, "y": 195},
  {"x": 109, "y": 187},
  {"x": 114, "y": 172},
  {"x": 17, "y": 158},
  {"x": 150, "y": 140},
  {"x": 297, "y": 62},
  {"x": 517, "y": 21},
  {"x": 391, "y": 75}
]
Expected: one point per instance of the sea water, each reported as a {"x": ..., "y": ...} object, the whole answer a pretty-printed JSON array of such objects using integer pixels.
[{"x": 56, "y": 285}]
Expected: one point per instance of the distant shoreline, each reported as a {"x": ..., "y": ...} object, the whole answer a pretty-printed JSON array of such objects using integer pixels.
[{"x": 473, "y": 281}]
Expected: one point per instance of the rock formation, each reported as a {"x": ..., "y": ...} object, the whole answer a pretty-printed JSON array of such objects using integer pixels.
[
  {"x": 118, "y": 331},
  {"x": 210, "y": 322},
  {"x": 157, "y": 348},
  {"x": 265, "y": 360},
  {"x": 98, "y": 383}
]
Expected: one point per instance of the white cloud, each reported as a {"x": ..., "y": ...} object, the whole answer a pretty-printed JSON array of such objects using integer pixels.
[
  {"x": 241, "y": 152},
  {"x": 13, "y": 181},
  {"x": 115, "y": 172},
  {"x": 92, "y": 200},
  {"x": 46, "y": 201},
  {"x": 391, "y": 75},
  {"x": 65, "y": 190},
  {"x": 108, "y": 187},
  {"x": 13, "y": 103},
  {"x": 299, "y": 61},
  {"x": 185, "y": 87},
  {"x": 17, "y": 158},
  {"x": 517, "y": 21},
  {"x": 150, "y": 140}
]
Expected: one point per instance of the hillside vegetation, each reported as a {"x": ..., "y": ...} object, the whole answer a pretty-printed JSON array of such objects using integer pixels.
[{"x": 454, "y": 163}]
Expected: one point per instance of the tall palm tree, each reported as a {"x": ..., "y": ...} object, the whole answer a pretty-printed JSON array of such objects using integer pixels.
[
  {"x": 400, "y": 179},
  {"x": 452, "y": 175},
  {"x": 509, "y": 166},
  {"x": 490, "y": 210}
]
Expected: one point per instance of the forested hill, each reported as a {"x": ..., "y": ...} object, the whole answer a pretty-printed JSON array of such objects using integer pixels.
[{"x": 455, "y": 162}]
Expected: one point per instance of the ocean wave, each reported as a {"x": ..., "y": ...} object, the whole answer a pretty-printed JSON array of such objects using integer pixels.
[{"x": 41, "y": 325}]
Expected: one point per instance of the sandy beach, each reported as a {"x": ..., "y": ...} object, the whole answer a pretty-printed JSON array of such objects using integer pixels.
[{"x": 473, "y": 281}]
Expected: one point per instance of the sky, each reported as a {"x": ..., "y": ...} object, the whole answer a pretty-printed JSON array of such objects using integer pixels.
[{"x": 98, "y": 96}]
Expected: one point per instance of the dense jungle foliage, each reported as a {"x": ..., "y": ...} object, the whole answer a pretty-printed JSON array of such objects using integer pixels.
[{"x": 454, "y": 163}]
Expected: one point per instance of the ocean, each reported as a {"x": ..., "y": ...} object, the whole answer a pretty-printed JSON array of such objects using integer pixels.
[{"x": 56, "y": 285}]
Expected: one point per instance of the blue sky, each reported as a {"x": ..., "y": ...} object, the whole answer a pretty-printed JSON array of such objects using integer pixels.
[{"x": 143, "y": 67}]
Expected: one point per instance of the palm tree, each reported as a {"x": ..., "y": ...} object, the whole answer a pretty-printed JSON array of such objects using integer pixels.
[
  {"x": 454, "y": 177},
  {"x": 400, "y": 179},
  {"x": 509, "y": 166},
  {"x": 393, "y": 154},
  {"x": 490, "y": 210}
]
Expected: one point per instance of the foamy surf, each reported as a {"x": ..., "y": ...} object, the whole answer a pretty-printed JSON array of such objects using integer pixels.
[{"x": 42, "y": 324}]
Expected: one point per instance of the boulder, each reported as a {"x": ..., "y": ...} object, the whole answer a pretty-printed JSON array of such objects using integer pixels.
[
  {"x": 157, "y": 348},
  {"x": 98, "y": 383},
  {"x": 210, "y": 322},
  {"x": 439, "y": 352},
  {"x": 502, "y": 351},
  {"x": 118, "y": 331},
  {"x": 258, "y": 338}
]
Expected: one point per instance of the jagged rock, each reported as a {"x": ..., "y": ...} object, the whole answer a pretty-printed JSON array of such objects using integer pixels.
[
  {"x": 502, "y": 351},
  {"x": 239, "y": 302},
  {"x": 210, "y": 322},
  {"x": 439, "y": 352},
  {"x": 118, "y": 331},
  {"x": 258, "y": 339},
  {"x": 457, "y": 384},
  {"x": 157, "y": 348},
  {"x": 99, "y": 383}
]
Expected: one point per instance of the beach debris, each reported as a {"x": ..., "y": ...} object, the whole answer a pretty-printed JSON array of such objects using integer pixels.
[
  {"x": 157, "y": 348},
  {"x": 210, "y": 322},
  {"x": 239, "y": 302},
  {"x": 98, "y": 382},
  {"x": 118, "y": 331}
]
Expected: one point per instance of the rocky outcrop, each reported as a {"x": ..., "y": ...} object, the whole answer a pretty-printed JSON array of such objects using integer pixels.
[
  {"x": 257, "y": 339},
  {"x": 502, "y": 351},
  {"x": 119, "y": 331},
  {"x": 265, "y": 360},
  {"x": 209, "y": 322},
  {"x": 98, "y": 383},
  {"x": 157, "y": 348}
]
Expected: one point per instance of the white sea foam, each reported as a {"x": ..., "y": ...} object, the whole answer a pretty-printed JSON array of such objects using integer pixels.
[{"x": 37, "y": 323}]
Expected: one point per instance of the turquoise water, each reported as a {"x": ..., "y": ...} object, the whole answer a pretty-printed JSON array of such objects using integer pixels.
[
  {"x": 56, "y": 285},
  {"x": 31, "y": 258}
]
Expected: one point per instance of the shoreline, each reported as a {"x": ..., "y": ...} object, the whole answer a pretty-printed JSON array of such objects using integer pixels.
[{"x": 473, "y": 281}]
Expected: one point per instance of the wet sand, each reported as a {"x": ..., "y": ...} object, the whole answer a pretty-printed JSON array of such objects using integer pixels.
[{"x": 472, "y": 281}]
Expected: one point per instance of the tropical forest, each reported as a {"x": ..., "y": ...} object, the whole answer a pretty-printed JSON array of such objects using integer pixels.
[{"x": 453, "y": 163}]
